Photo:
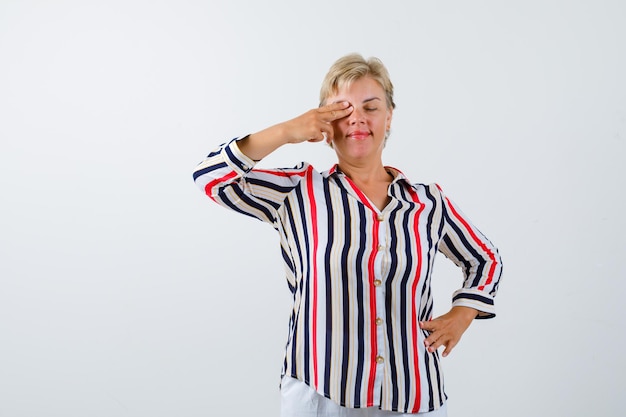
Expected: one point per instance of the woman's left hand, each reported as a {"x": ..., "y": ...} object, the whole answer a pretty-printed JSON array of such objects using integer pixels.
[{"x": 447, "y": 330}]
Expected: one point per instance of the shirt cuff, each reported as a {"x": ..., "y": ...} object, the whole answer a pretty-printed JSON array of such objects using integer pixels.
[
  {"x": 475, "y": 299},
  {"x": 236, "y": 159}
]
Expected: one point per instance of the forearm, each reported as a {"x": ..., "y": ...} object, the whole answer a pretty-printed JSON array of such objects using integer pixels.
[
  {"x": 258, "y": 145},
  {"x": 312, "y": 126},
  {"x": 465, "y": 313}
]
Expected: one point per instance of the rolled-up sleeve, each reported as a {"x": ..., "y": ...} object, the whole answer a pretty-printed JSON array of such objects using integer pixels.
[
  {"x": 226, "y": 176},
  {"x": 479, "y": 259}
]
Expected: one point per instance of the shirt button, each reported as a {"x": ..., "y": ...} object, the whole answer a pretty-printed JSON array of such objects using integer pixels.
[
  {"x": 381, "y": 217},
  {"x": 244, "y": 167},
  {"x": 377, "y": 282},
  {"x": 381, "y": 248},
  {"x": 379, "y": 321},
  {"x": 380, "y": 359}
]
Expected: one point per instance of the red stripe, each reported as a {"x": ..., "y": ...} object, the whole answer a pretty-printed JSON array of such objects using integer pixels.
[
  {"x": 371, "y": 273},
  {"x": 284, "y": 174},
  {"x": 480, "y": 243},
  {"x": 414, "y": 326},
  {"x": 362, "y": 196},
  {"x": 313, "y": 208},
  {"x": 208, "y": 189}
]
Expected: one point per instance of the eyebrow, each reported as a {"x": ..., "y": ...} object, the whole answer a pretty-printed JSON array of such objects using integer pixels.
[{"x": 367, "y": 100}]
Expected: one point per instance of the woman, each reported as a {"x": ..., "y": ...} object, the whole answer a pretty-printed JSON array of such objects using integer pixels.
[{"x": 358, "y": 243}]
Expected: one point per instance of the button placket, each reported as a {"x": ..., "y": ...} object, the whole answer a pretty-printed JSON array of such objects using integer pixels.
[{"x": 379, "y": 289}]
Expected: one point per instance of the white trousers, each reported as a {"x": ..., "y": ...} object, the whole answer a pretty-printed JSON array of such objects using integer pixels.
[{"x": 297, "y": 399}]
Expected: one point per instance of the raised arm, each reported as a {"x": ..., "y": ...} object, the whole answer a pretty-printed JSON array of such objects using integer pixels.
[
  {"x": 227, "y": 177},
  {"x": 313, "y": 126}
]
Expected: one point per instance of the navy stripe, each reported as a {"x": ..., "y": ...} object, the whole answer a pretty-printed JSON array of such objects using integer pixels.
[
  {"x": 270, "y": 203},
  {"x": 347, "y": 313},
  {"x": 271, "y": 186},
  {"x": 405, "y": 298},
  {"x": 429, "y": 376},
  {"x": 294, "y": 232},
  {"x": 289, "y": 265},
  {"x": 225, "y": 200},
  {"x": 427, "y": 310},
  {"x": 268, "y": 216},
  {"x": 438, "y": 383},
  {"x": 476, "y": 297},
  {"x": 344, "y": 235},
  {"x": 208, "y": 170},
  {"x": 361, "y": 283},
  {"x": 235, "y": 160},
  {"x": 329, "y": 295},
  {"x": 219, "y": 150},
  {"x": 454, "y": 252},
  {"x": 470, "y": 248},
  {"x": 290, "y": 342},
  {"x": 394, "y": 250},
  {"x": 307, "y": 290}
]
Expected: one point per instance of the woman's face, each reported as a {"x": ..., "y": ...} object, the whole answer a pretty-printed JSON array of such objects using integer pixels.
[{"x": 360, "y": 137}]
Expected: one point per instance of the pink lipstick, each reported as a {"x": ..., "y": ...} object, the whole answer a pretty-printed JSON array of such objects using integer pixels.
[{"x": 359, "y": 134}]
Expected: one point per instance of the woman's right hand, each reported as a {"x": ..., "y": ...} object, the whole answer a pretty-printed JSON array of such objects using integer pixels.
[{"x": 315, "y": 125}]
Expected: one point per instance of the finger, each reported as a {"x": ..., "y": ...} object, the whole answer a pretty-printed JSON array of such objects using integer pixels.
[
  {"x": 433, "y": 340},
  {"x": 431, "y": 346},
  {"x": 446, "y": 351},
  {"x": 429, "y": 326},
  {"x": 449, "y": 346},
  {"x": 335, "y": 111},
  {"x": 321, "y": 136},
  {"x": 340, "y": 105},
  {"x": 324, "y": 138},
  {"x": 326, "y": 131},
  {"x": 340, "y": 114},
  {"x": 436, "y": 344}
]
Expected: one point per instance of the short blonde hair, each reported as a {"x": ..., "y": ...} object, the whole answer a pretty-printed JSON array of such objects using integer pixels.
[{"x": 351, "y": 68}]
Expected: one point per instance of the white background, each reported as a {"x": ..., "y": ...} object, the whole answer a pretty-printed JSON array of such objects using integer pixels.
[{"x": 125, "y": 292}]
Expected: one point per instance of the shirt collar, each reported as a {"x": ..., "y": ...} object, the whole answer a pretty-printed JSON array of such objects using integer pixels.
[{"x": 395, "y": 172}]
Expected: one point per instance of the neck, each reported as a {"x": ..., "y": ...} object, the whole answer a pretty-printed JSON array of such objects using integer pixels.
[{"x": 365, "y": 173}]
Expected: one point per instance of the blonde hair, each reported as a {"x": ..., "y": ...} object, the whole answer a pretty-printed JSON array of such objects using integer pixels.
[{"x": 351, "y": 68}]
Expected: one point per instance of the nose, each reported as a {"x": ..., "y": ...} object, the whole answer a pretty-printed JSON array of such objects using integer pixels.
[{"x": 357, "y": 116}]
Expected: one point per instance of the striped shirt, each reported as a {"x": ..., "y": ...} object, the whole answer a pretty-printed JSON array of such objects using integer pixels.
[{"x": 360, "y": 277}]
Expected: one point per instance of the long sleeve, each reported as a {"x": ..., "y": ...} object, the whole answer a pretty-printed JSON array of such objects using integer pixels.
[
  {"x": 227, "y": 177},
  {"x": 479, "y": 259},
  {"x": 360, "y": 277}
]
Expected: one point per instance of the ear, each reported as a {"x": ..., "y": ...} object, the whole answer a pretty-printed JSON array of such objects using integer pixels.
[{"x": 389, "y": 117}]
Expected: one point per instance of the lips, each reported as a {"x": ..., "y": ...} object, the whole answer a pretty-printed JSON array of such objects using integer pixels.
[{"x": 359, "y": 134}]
